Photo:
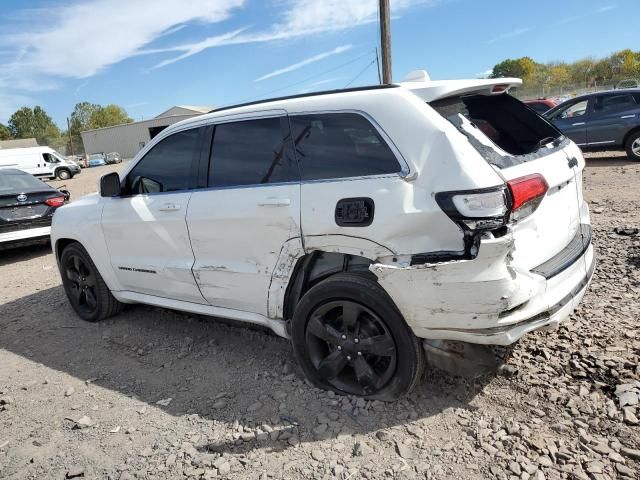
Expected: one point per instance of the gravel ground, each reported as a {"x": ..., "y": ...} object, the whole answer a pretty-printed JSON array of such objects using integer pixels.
[{"x": 160, "y": 394}]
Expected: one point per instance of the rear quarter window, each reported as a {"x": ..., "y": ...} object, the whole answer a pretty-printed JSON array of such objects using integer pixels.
[{"x": 340, "y": 145}]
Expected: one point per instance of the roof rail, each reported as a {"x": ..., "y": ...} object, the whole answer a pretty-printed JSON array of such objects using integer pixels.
[{"x": 303, "y": 95}]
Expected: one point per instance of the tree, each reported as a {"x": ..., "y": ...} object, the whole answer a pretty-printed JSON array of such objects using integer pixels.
[
  {"x": 582, "y": 71},
  {"x": 27, "y": 123},
  {"x": 80, "y": 118},
  {"x": 559, "y": 75},
  {"x": 523, "y": 67},
  {"x": 109, "y": 116},
  {"x": 5, "y": 133}
]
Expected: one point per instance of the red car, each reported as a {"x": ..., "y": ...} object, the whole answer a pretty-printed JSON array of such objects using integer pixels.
[{"x": 541, "y": 105}]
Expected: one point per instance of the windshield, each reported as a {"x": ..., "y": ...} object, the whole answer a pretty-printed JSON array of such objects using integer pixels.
[
  {"x": 19, "y": 182},
  {"x": 504, "y": 120}
]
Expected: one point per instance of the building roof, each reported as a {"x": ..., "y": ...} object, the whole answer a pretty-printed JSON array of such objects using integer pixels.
[
  {"x": 19, "y": 143},
  {"x": 181, "y": 109}
]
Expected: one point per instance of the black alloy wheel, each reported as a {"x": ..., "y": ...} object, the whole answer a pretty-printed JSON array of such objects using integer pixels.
[
  {"x": 83, "y": 284},
  {"x": 350, "y": 347},
  {"x": 88, "y": 294},
  {"x": 348, "y": 336}
]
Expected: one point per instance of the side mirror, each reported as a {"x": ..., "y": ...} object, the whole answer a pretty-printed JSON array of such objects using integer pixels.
[{"x": 110, "y": 185}]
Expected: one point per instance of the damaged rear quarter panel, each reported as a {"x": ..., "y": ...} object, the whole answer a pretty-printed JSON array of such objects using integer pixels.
[{"x": 462, "y": 293}]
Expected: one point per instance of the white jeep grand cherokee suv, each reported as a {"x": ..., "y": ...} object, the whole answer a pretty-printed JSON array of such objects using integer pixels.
[{"x": 379, "y": 228}]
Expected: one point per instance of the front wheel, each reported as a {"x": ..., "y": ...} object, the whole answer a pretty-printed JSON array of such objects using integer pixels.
[
  {"x": 63, "y": 174},
  {"x": 349, "y": 337},
  {"x": 88, "y": 294},
  {"x": 633, "y": 146}
]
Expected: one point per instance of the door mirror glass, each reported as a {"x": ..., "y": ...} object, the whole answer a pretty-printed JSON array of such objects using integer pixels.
[{"x": 110, "y": 185}]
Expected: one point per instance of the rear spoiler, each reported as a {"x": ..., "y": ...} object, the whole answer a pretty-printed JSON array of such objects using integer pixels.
[{"x": 430, "y": 90}]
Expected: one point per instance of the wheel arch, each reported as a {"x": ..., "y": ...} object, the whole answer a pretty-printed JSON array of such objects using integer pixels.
[
  {"x": 319, "y": 257},
  {"x": 629, "y": 134},
  {"x": 313, "y": 267}
]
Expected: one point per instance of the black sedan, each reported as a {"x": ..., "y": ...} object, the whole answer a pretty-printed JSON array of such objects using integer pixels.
[{"x": 26, "y": 208}]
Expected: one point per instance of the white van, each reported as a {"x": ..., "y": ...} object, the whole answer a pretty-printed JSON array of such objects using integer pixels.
[{"x": 38, "y": 161}]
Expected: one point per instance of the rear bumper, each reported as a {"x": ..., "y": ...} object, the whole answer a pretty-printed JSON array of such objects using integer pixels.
[
  {"x": 29, "y": 234},
  {"x": 488, "y": 300}
]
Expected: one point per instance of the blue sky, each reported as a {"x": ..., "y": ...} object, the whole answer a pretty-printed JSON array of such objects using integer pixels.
[{"x": 147, "y": 55}]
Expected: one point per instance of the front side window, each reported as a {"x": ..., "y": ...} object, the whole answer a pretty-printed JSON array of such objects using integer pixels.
[
  {"x": 340, "y": 145},
  {"x": 251, "y": 152},
  {"x": 574, "y": 110},
  {"x": 167, "y": 167}
]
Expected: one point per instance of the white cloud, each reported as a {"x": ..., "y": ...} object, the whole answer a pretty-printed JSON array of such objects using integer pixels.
[
  {"x": 41, "y": 47},
  {"x": 299, "y": 18},
  {"x": 607, "y": 8},
  {"x": 511, "y": 34},
  {"x": 306, "y": 61},
  {"x": 81, "y": 39}
]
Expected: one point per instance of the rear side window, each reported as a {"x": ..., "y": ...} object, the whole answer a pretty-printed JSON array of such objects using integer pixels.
[
  {"x": 502, "y": 118},
  {"x": 339, "y": 145},
  {"x": 167, "y": 167},
  {"x": 614, "y": 103},
  {"x": 251, "y": 152}
]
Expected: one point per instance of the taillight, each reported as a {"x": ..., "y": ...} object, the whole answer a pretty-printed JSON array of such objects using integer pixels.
[
  {"x": 55, "y": 202},
  {"x": 526, "y": 194},
  {"x": 482, "y": 209},
  {"x": 492, "y": 208}
]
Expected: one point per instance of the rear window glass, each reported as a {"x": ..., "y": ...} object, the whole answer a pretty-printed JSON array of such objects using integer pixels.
[
  {"x": 503, "y": 119},
  {"x": 17, "y": 183}
]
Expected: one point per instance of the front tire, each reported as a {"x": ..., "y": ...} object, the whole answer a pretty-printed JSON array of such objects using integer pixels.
[
  {"x": 349, "y": 337},
  {"x": 63, "y": 174},
  {"x": 88, "y": 294},
  {"x": 632, "y": 146}
]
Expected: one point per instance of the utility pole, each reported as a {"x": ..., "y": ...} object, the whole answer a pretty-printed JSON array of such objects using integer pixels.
[
  {"x": 385, "y": 40},
  {"x": 70, "y": 137}
]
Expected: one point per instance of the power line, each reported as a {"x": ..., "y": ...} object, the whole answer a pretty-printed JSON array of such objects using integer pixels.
[
  {"x": 361, "y": 72},
  {"x": 308, "y": 79}
]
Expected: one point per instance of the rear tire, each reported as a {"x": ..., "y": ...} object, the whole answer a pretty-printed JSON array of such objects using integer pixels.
[
  {"x": 632, "y": 146},
  {"x": 63, "y": 174},
  {"x": 349, "y": 337},
  {"x": 88, "y": 294}
]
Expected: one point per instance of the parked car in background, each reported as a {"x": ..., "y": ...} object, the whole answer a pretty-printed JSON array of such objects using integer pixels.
[
  {"x": 627, "y": 83},
  {"x": 39, "y": 161},
  {"x": 113, "y": 157},
  {"x": 97, "y": 160},
  {"x": 368, "y": 261},
  {"x": 27, "y": 205},
  {"x": 602, "y": 121},
  {"x": 541, "y": 105}
]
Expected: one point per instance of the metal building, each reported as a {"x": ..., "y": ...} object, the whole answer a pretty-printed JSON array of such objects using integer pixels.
[{"x": 127, "y": 139}]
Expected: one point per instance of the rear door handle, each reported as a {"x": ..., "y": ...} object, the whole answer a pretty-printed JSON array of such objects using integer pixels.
[
  {"x": 169, "y": 207},
  {"x": 577, "y": 124},
  {"x": 275, "y": 202}
]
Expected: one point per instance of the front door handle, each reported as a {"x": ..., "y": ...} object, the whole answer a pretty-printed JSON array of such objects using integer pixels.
[
  {"x": 169, "y": 207},
  {"x": 577, "y": 124},
  {"x": 275, "y": 202}
]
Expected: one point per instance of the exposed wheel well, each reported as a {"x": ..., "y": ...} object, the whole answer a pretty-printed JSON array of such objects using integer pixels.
[
  {"x": 315, "y": 267},
  {"x": 629, "y": 133}
]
